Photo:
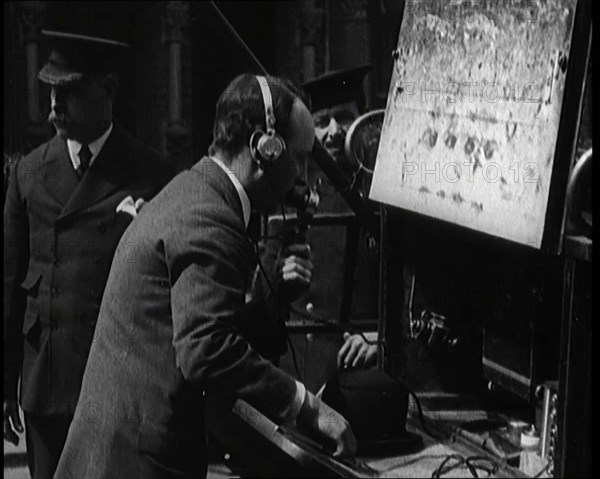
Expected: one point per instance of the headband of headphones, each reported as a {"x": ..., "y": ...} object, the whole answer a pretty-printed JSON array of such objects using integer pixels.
[
  {"x": 266, "y": 146},
  {"x": 268, "y": 102}
]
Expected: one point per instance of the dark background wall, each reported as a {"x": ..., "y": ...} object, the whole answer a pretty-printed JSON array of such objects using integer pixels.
[
  {"x": 214, "y": 67},
  {"x": 142, "y": 101},
  {"x": 342, "y": 34}
]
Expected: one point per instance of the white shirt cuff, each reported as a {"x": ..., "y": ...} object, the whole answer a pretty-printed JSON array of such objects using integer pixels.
[
  {"x": 371, "y": 336},
  {"x": 298, "y": 401}
]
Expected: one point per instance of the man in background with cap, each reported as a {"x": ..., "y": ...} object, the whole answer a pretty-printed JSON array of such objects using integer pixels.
[
  {"x": 65, "y": 212},
  {"x": 338, "y": 98},
  {"x": 374, "y": 403}
]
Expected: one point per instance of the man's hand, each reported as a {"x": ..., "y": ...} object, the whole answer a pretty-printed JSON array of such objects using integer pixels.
[
  {"x": 356, "y": 352},
  {"x": 12, "y": 422},
  {"x": 295, "y": 271},
  {"x": 317, "y": 417}
]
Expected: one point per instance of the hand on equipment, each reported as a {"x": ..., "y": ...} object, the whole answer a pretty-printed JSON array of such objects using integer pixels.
[
  {"x": 317, "y": 417},
  {"x": 12, "y": 422},
  {"x": 356, "y": 352}
]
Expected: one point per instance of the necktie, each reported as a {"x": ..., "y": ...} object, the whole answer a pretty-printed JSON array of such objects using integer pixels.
[{"x": 84, "y": 157}]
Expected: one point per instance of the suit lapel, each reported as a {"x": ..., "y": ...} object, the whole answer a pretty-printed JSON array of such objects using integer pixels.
[
  {"x": 56, "y": 174},
  {"x": 104, "y": 177}
]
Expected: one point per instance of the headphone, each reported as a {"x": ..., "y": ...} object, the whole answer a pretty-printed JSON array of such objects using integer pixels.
[{"x": 266, "y": 147}]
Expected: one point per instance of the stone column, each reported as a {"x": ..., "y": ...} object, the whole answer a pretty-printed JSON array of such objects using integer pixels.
[
  {"x": 355, "y": 31},
  {"x": 355, "y": 38},
  {"x": 178, "y": 133},
  {"x": 31, "y": 19},
  {"x": 312, "y": 21}
]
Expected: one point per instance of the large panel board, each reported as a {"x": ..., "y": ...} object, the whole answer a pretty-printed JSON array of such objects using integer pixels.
[{"x": 473, "y": 113}]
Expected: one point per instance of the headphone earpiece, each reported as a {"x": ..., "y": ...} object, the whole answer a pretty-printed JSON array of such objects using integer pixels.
[{"x": 266, "y": 147}]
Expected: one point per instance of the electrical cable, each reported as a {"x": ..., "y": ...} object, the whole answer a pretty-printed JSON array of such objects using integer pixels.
[
  {"x": 472, "y": 463},
  {"x": 294, "y": 360},
  {"x": 422, "y": 416},
  {"x": 305, "y": 365},
  {"x": 240, "y": 40},
  {"x": 275, "y": 298},
  {"x": 544, "y": 470},
  {"x": 334, "y": 324},
  {"x": 301, "y": 376}
]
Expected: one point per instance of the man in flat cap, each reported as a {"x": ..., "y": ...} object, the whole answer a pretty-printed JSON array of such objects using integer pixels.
[
  {"x": 337, "y": 98},
  {"x": 65, "y": 212}
]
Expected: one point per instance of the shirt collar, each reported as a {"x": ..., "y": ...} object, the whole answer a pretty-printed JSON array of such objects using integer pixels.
[
  {"x": 246, "y": 207},
  {"x": 95, "y": 147}
]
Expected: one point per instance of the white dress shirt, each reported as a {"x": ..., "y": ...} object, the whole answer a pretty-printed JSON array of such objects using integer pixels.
[
  {"x": 95, "y": 147},
  {"x": 246, "y": 207}
]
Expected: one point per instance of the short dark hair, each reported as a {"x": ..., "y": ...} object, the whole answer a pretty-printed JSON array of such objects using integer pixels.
[{"x": 240, "y": 111}]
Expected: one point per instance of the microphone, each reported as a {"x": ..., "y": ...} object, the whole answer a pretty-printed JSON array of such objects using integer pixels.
[
  {"x": 354, "y": 198},
  {"x": 305, "y": 201}
]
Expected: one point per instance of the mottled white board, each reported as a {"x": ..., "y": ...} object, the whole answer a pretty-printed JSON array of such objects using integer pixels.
[{"x": 473, "y": 112}]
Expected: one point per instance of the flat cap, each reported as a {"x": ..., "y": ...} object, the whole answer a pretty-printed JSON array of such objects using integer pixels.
[
  {"x": 338, "y": 86},
  {"x": 74, "y": 56}
]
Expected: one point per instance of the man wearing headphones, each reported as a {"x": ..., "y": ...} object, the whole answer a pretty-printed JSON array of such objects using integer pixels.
[{"x": 170, "y": 321}]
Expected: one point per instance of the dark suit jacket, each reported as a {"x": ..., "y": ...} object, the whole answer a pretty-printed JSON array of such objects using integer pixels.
[
  {"x": 60, "y": 235},
  {"x": 168, "y": 330}
]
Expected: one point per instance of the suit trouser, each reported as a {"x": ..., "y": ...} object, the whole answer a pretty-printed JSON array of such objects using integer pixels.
[{"x": 45, "y": 438}]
